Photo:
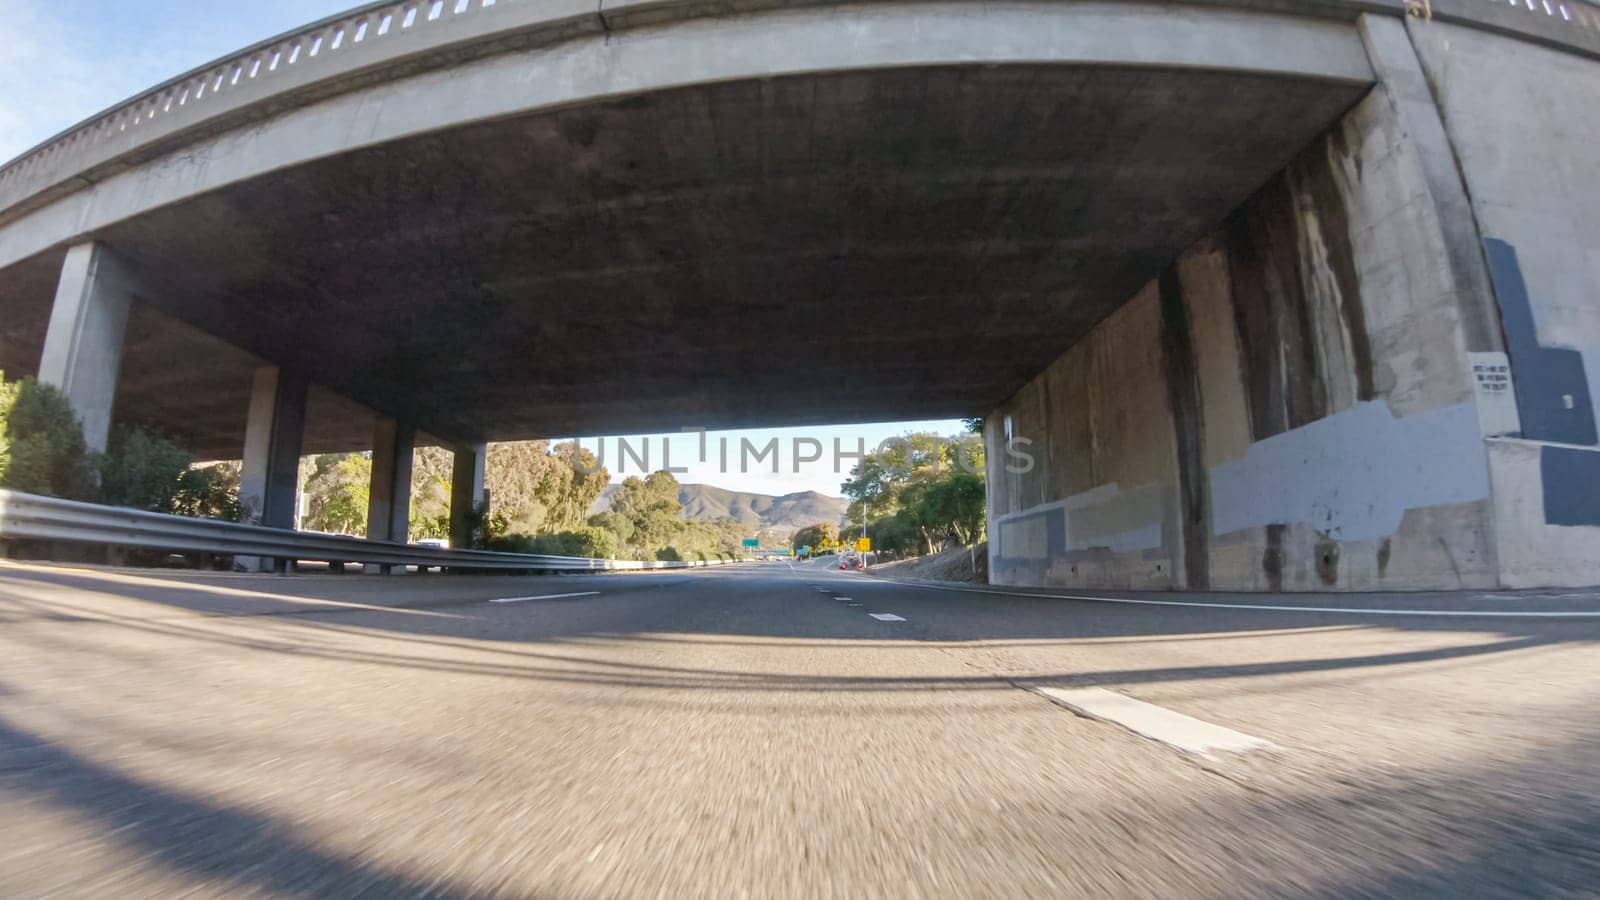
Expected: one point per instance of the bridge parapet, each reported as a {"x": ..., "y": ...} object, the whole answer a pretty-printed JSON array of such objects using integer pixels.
[{"x": 326, "y": 57}]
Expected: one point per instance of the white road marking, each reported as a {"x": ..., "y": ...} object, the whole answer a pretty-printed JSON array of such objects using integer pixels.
[
  {"x": 1465, "y": 613},
  {"x": 1155, "y": 722},
  {"x": 545, "y": 597},
  {"x": 844, "y": 599},
  {"x": 886, "y": 617}
]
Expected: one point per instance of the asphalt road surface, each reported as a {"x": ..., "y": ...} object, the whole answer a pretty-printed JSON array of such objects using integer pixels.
[{"x": 782, "y": 730}]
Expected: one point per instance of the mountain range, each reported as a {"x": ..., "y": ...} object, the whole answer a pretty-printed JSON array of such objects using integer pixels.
[{"x": 785, "y": 514}]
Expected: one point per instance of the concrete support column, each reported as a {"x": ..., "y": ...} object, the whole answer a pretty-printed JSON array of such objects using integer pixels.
[
  {"x": 83, "y": 347},
  {"x": 270, "y": 481},
  {"x": 466, "y": 490},
  {"x": 389, "y": 509}
]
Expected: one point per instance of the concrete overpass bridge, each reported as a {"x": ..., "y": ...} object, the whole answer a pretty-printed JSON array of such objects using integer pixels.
[{"x": 1275, "y": 295}]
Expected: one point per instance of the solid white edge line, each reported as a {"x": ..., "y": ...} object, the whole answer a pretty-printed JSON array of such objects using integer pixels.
[
  {"x": 1463, "y": 613},
  {"x": 545, "y": 597}
]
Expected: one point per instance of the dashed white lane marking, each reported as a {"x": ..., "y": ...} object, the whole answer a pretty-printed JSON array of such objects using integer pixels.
[
  {"x": 1155, "y": 722},
  {"x": 546, "y": 597},
  {"x": 1462, "y": 613},
  {"x": 886, "y": 617},
  {"x": 844, "y": 599}
]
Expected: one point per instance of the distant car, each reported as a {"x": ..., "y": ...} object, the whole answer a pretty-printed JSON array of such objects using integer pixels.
[{"x": 851, "y": 561}]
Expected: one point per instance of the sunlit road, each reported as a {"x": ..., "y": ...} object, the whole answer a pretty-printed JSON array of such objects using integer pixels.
[{"x": 778, "y": 730}]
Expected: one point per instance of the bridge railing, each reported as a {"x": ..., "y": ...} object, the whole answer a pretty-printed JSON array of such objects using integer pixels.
[
  {"x": 28, "y": 517},
  {"x": 326, "y": 46},
  {"x": 377, "y": 33}
]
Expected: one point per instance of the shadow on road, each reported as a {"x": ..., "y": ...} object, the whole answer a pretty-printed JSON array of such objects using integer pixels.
[{"x": 200, "y": 837}]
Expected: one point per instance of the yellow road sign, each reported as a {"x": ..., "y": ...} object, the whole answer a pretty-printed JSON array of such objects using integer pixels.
[{"x": 864, "y": 545}]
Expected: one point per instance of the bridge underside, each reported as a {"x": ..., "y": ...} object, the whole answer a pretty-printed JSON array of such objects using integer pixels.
[{"x": 853, "y": 246}]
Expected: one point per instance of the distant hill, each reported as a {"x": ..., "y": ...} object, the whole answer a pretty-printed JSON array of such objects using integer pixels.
[{"x": 789, "y": 513}]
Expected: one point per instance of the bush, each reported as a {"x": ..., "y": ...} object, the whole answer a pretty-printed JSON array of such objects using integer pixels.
[
  {"x": 142, "y": 470},
  {"x": 512, "y": 543},
  {"x": 596, "y": 543},
  {"x": 41, "y": 443},
  {"x": 210, "y": 492},
  {"x": 589, "y": 542},
  {"x": 668, "y": 554}
]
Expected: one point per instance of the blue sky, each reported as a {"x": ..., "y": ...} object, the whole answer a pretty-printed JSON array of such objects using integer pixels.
[{"x": 62, "y": 61}]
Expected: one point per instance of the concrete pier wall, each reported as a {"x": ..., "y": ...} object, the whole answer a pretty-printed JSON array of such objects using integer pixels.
[{"x": 1293, "y": 404}]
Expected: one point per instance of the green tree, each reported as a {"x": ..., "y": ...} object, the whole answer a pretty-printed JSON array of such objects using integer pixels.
[
  {"x": 897, "y": 536},
  {"x": 42, "y": 450},
  {"x": 431, "y": 471},
  {"x": 815, "y": 536},
  {"x": 651, "y": 507},
  {"x": 617, "y": 524},
  {"x": 921, "y": 485},
  {"x": 210, "y": 492},
  {"x": 954, "y": 507},
  {"x": 143, "y": 470},
  {"x": 338, "y": 491}
]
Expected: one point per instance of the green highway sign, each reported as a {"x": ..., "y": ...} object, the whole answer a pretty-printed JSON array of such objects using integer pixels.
[{"x": 752, "y": 542}]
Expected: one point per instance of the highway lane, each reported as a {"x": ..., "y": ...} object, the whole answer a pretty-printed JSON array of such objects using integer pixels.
[{"x": 757, "y": 731}]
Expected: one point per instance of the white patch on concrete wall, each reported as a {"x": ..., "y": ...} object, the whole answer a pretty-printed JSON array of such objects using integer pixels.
[
  {"x": 1354, "y": 474},
  {"x": 1023, "y": 538},
  {"x": 1117, "y": 520},
  {"x": 1105, "y": 517},
  {"x": 1495, "y": 393}
]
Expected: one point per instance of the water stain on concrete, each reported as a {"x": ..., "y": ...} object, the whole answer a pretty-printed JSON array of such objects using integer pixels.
[{"x": 1188, "y": 422}]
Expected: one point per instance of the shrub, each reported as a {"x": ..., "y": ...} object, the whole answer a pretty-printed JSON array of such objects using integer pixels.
[
  {"x": 513, "y": 543},
  {"x": 669, "y": 554},
  {"x": 594, "y": 543},
  {"x": 41, "y": 443},
  {"x": 142, "y": 470},
  {"x": 210, "y": 492}
]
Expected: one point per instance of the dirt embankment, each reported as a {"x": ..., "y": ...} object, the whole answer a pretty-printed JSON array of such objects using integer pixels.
[{"x": 956, "y": 564}]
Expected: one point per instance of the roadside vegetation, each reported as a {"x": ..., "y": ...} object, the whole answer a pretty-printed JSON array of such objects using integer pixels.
[
  {"x": 920, "y": 495},
  {"x": 42, "y": 451}
]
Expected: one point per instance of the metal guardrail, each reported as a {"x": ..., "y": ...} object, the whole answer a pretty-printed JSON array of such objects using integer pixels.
[
  {"x": 331, "y": 48},
  {"x": 28, "y": 517}
]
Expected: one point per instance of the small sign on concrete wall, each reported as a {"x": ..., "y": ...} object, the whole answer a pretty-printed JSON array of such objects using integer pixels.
[{"x": 1497, "y": 401}]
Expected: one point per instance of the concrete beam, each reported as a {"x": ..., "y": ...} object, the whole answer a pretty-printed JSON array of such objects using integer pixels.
[
  {"x": 466, "y": 490},
  {"x": 270, "y": 480},
  {"x": 389, "y": 506},
  {"x": 599, "y": 67},
  {"x": 83, "y": 345}
]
